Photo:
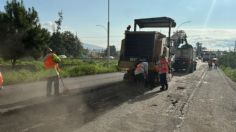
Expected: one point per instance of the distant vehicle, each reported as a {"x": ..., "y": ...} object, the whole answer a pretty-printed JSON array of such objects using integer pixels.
[
  {"x": 205, "y": 57},
  {"x": 185, "y": 59},
  {"x": 208, "y": 56},
  {"x": 146, "y": 46},
  {"x": 215, "y": 59},
  {"x": 212, "y": 55},
  {"x": 185, "y": 56},
  {"x": 63, "y": 56},
  {"x": 111, "y": 57}
]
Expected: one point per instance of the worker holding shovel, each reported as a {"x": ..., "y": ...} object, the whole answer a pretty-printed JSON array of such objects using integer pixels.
[{"x": 52, "y": 67}]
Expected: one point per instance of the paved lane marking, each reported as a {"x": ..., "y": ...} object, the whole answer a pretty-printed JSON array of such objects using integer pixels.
[
  {"x": 33, "y": 127},
  {"x": 186, "y": 104}
]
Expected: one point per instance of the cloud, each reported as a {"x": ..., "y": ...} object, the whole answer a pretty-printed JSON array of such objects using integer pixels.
[
  {"x": 67, "y": 28},
  {"x": 222, "y": 39},
  {"x": 51, "y": 26}
]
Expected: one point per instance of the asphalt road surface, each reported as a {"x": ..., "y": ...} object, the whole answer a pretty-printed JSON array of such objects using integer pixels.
[{"x": 203, "y": 101}]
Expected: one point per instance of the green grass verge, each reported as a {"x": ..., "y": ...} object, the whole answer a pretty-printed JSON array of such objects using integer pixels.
[
  {"x": 231, "y": 73},
  {"x": 33, "y": 70}
]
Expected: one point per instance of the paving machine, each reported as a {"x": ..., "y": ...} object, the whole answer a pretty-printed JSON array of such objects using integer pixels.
[{"x": 145, "y": 46}]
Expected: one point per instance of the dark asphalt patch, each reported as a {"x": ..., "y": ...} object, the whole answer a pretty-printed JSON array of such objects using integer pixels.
[
  {"x": 75, "y": 109},
  {"x": 180, "y": 88}
]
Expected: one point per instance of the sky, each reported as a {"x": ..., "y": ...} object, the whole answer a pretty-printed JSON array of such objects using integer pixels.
[{"x": 212, "y": 22}]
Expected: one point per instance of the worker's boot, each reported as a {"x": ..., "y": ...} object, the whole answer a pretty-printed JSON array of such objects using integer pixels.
[
  {"x": 166, "y": 86},
  {"x": 162, "y": 87}
]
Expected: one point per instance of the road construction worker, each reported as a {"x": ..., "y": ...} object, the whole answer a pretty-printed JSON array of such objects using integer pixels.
[
  {"x": 215, "y": 62},
  {"x": 210, "y": 64},
  {"x": 141, "y": 72},
  {"x": 156, "y": 74},
  {"x": 52, "y": 67},
  {"x": 163, "y": 69},
  {"x": 1, "y": 81},
  {"x": 128, "y": 28}
]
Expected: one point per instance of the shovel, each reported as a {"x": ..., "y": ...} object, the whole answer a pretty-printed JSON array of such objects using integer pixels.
[{"x": 65, "y": 89}]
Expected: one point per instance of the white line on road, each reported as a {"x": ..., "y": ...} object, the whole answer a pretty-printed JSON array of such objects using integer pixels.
[
  {"x": 188, "y": 101},
  {"x": 33, "y": 127}
]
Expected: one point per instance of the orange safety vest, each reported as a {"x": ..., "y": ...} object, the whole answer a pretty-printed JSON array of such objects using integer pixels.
[
  {"x": 163, "y": 66},
  {"x": 1, "y": 79},
  {"x": 49, "y": 62}
]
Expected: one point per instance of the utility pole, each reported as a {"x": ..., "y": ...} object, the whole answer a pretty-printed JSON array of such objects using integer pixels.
[
  {"x": 235, "y": 47},
  {"x": 108, "y": 32}
]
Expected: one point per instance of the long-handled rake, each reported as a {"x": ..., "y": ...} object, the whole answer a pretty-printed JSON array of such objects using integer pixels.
[{"x": 65, "y": 89}]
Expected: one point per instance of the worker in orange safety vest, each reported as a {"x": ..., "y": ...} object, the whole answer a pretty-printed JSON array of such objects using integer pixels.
[
  {"x": 163, "y": 70},
  {"x": 52, "y": 68},
  {"x": 1, "y": 81}
]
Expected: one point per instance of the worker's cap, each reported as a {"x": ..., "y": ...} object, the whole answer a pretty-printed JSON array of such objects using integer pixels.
[{"x": 49, "y": 49}]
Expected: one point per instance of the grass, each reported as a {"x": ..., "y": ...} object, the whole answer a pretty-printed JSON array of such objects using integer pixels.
[
  {"x": 230, "y": 72},
  {"x": 28, "y": 71},
  {"x": 228, "y": 64}
]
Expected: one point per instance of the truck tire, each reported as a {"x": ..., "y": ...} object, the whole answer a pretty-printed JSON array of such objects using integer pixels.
[
  {"x": 195, "y": 67},
  {"x": 128, "y": 77},
  {"x": 176, "y": 70},
  {"x": 190, "y": 69}
]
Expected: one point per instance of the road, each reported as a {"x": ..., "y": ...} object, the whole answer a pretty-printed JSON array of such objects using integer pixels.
[{"x": 202, "y": 101}]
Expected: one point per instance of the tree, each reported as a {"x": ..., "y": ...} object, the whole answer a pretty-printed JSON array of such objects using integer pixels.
[
  {"x": 65, "y": 43},
  {"x": 228, "y": 59},
  {"x": 35, "y": 47},
  {"x": 72, "y": 44},
  {"x": 21, "y": 34},
  {"x": 199, "y": 48},
  {"x": 59, "y": 21},
  {"x": 112, "y": 50},
  {"x": 56, "y": 43}
]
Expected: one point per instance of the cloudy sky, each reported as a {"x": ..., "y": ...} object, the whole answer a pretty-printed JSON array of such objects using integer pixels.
[{"x": 213, "y": 22}]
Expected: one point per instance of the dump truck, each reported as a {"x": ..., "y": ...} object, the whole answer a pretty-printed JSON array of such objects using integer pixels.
[
  {"x": 185, "y": 59},
  {"x": 184, "y": 53},
  {"x": 145, "y": 46},
  {"x": 208, "y": 55}
]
